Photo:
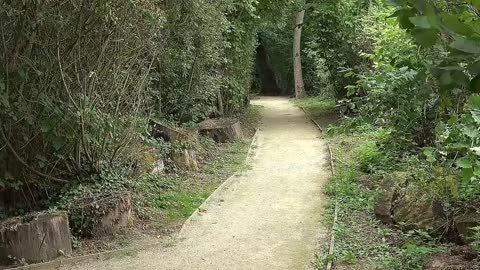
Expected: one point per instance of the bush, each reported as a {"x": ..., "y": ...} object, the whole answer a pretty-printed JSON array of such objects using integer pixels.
[{"x": 79, "y": 82}]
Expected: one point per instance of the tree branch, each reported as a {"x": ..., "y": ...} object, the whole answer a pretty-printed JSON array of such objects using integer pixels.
[{"x": 19, "y": 159}]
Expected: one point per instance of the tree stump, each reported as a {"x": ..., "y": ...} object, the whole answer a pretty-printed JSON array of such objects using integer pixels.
[
  {"x": 39, "y": 237},
  {"x": 221, "y": 130},
  {"x": 116, "y": 218},
  {"x": 172, "y": 134},
  {"x": 185, "y": 159}
]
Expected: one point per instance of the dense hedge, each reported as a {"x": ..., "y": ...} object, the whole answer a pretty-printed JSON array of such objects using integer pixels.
[{"x": 80, "y": 80}]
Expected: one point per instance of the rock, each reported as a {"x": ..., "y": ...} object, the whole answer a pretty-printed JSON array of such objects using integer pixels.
[
  {"x": 116, "y": 218},
  {"x": 418, "y": 211},
  {"x": 221, "y": 130},
  {"x": 384, "y": 202},
  {"x": 159, "y": 166},
  {"x": 147, "y": 162},
  {"x": 39, "y": 237},
  {"x": 185, "y": 159},
  {"x": 408, "y": 207},
  {"x": 459, "y": 258}
]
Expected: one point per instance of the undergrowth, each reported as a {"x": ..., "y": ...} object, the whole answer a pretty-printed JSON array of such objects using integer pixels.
[
  {"x": 160, "y": 201},
  {"x": 361, "y": 239},
  {"x": 364, "y": 156}
]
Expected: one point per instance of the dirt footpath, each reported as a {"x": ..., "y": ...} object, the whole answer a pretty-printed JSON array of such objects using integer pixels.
[{"x": 266, "y": 218}]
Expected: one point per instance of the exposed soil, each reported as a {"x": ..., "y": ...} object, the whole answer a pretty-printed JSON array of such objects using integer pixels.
[
  {"x": 459, "y": 258},
  {"x": 269, "y": 217}
]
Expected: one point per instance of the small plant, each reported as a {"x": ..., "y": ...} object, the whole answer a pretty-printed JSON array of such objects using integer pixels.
[
  {"x": 411, "y": 257},
  {"x": 368, "y": 156}
]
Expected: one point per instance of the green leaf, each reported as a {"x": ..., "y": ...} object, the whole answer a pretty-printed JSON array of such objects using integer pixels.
[
  {"x": 396, "y": 2},
  {"x": 452, "y": 121},
  {"x": 421, "y": 22},
  {"x": 446, "y": 78},
  {"x": 475, "y": 3},
  {"x": 474, "y": 101},
  {"x": 57, "y": 144},
  {"x": 476, "y": 150},
  {"x": 432, "y": 15},
  {"x": 403, "y": 16},
  {"x": 451, "y": 68},
  {"x": 425, "y": 37},
  {"x": 466, "y": 45},
  {"x": 474, "y": 68},
  {"x": 467, "y": 174},
  {"x": 420, "y": 5},
  {"x": 453, "y": 23},
  {"x": 470, "y": 132},
  {"x": 460, "y": 78},
  {"x": 464, "y": 163},
  {"x": 430, "y": 154},
  {"x": 476, "y": 116}
]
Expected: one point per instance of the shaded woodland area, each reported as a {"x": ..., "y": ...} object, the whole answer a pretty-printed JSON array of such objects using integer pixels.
[{"x": 97, "y": 97}]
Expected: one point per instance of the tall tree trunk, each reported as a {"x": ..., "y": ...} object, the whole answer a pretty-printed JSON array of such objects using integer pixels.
[{"x": 297, "y": 59}]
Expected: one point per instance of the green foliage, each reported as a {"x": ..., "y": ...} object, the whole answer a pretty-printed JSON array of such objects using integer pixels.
[
  {"x": 346, "y": 188},
  {"x": 476, "y": 239},
  {"x": 368, "y": 156},
  {"x": 78, "y": 104},
  {"x": 413, "y": 100},
  {"x": 362, "y": 242},
  {"x": 330, "y": 33},
  {"x": 317, "y": 105},
  {"x": 419, "y": 85},
  {"x": 411, "y": 256},
  {"x": 88, "y": 202}
]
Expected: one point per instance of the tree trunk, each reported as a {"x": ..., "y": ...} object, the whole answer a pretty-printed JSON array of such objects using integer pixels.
[
  {"x": 297, "y": 60},
  {"x": 221, "y": 108}
]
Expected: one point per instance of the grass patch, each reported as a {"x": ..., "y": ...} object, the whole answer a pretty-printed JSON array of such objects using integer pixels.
[
  {"x": 180, "y": 204},
  {"x": 321, "y": 109},
  {"x": 316, "y": 106}
]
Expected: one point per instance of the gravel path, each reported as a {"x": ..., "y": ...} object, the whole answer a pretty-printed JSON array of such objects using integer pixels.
[{"x": 266, "y": 218}]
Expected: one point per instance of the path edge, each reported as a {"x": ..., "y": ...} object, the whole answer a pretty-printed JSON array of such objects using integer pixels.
[
  {"x": 331, "y": 248},
  {"x": 226, "y": 184},
  {"x": 106, "y": 255}
]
